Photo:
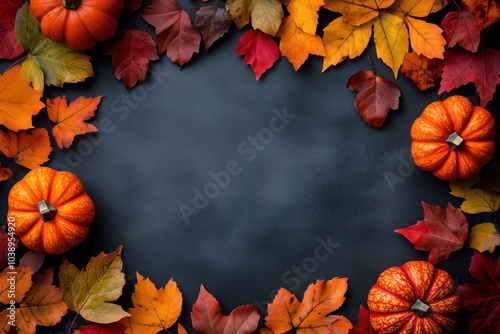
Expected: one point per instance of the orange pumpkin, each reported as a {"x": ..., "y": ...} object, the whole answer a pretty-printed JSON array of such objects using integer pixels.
[
  {"x": 414, "y": 298},
  {"x": 51, "y": 210},
  {"x": 80, "y": 24},
  {"x": 453, "y": 138}
]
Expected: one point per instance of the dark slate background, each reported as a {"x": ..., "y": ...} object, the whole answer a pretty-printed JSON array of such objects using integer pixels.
[{"x": 309, "y": 202}]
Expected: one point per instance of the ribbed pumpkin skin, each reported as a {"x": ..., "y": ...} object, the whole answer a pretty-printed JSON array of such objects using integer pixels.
[
  {"x": 75, "y": 210},
  {"x": 398, "y": 288},
  {"x": 438, "y": 121},
  {"x": 82, "y": 28}
]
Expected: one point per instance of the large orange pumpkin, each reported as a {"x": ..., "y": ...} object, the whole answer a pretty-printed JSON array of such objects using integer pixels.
[
  {"x": 51, "y": 210},
  {"x": 415, "y": 298},
  {"x": 80, "y": 24},
  {"x": 453, "y": 138}
]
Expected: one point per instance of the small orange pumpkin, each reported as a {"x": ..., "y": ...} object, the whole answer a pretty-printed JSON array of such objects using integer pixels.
[
  {"x": 80, "y": 24},
  {"x": 51, "y": 210},
  {"x": 415, "y": 298},
  {"x": 453, "y": 138}
]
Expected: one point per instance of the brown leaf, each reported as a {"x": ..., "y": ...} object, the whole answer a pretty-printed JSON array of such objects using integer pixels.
[{"x": 214, "y": 22}]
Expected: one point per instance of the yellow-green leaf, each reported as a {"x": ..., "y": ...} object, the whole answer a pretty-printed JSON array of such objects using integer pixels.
[
  {"x": 426, "y": 38},
  {"x": 357, "y": 12},
  {"x": 476, "y": 200},
  {"x": 27, "y": 28},
  {"x": 391, "y": 40},
  {"x": 484, "y": 237},
  {"x": 239, "y": 11},
  {"x": 91, "y": 291},
  {"x": 31, "y": 72},
  {"x": 342, "y": 40},
  {"x": 305, "y": 14},
  {"x": 266, "y": 15}
]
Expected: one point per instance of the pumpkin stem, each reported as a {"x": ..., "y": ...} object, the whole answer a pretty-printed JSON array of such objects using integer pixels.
[
  {"x": 455, "y": 141},
  {"x": 71, "y": 4},
  {"x": 420, "y": 308},
  {"x": 47, "y": 210}
]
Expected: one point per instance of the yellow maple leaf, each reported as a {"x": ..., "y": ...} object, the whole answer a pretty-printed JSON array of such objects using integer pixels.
[
  {"x": 91, "y": 291},
  {"x": 296, "y": 45},
  {"x": 342, "y": 40},
  {"x": 357, "y": 12},
  {"x": 305, "y": 14},
  {"x": 426, "y": 38},
  {"x": 154, "y": 309},
  {"x": 484, "y": 237},
  {"x": 391, "y": 40},
  {"x": 18, "y": 100},
  {"x": 43, "y": 304},
  {"x": 476, "y": 200},
  {"x": 266, "y": 15}
]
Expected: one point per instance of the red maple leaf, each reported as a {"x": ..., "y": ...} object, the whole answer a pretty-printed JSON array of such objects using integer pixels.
[
  {"x": 9, "y": 48},
  {"x": 442, "y": 232},
  {"x": 113, "y": 328},
  {"x": 364, "y": 326},
  {"x": 174, "y": 31},
  {"x": 131, "y": 51},
  {"x": 461, "y": 28},
  {"x": 376, "y": 96},
  {"x": 482, "y": 299},
  {"x": 481, "y": 67},
  {"x": 207, "y": 317},
  {"x": 260, "y": 50}
]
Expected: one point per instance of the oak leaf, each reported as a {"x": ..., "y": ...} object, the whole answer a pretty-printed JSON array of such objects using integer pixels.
[
  {"x": 114, "y": 328},
  {"x": 424, "y": 72},
  {"x": 342, "y": 40},
  {"x": 43, "y": 304},
  {"x": 154, "y": 309},
  {"x": 305, "y": 14},
  {"x": 213, "y": 22},
  {"x": 22, "y": 283},
  {"x": 442, "y": 232},
  {"x": 481, "y": 68},
  {"x": 29, "y": 149},
  {"x": 260, "y": 51},
  {"x": 18, "y": 101},
  {"x": 59, "y": 63},
  {"x": 70, "y": 119},
  {"x": 91, "y": 291},
  {"x": 376, "y": 96},
  {"x": 131, "y": 51},
  {"x": 476, "y": 200},
  {"x": 357, "y": 12},
  {"x": 5, "y": 174},
  {"x": 484, "y": 237},
  {"x": 239, "y": 10},
  {"x": 486, "y": 12},
  {"x": 9, "y": 48},
  {"x": 266, "y": 15},
  {"x": 174, "y": 32},
  {"x": 461, "y": 28},
  {"x": 207, "y": 317},
  {"x": 482, "y": 299},
  {"x": 312, "y": 315},
  {"x": 296, "y": 45}
]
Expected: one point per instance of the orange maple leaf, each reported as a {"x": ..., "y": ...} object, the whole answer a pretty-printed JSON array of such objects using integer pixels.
[
  {"x": 313, "y": 314},
  {"x": 296, "y": 45},
  {"x": 29, "y": 149},
  {"x": 18, "y": 100},
  {"x": 70, "y": 120},
  {"x": 424, "y": 72}
]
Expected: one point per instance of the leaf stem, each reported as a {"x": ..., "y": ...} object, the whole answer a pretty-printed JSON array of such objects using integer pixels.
[{"x": 72, "y": 323}]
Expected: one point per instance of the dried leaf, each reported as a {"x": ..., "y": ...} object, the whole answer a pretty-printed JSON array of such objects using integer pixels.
[
  {"x": 20, "y": 277},
  {"x": 70, "y": 120},
  {"x": 476, "y": 200},
  {"x": 442, "y": 232},
  {"x": 29, "y": 149},
  {"x": 18, "y": 101},
  {"x": 266, "y": 15},
  {"x": 260, "y": 50},
  {"x": 486, "y": 12},
  {"x": 484, "y": 237},
  {"x": 131, "y": 50},
  {"x": 424, "y": 72},
  {"x": 239, "y": 11},
  {"x": 376, "y": 96},
  {"x": 214, "y": 22},
  {"x": 91, "y": 291}
]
